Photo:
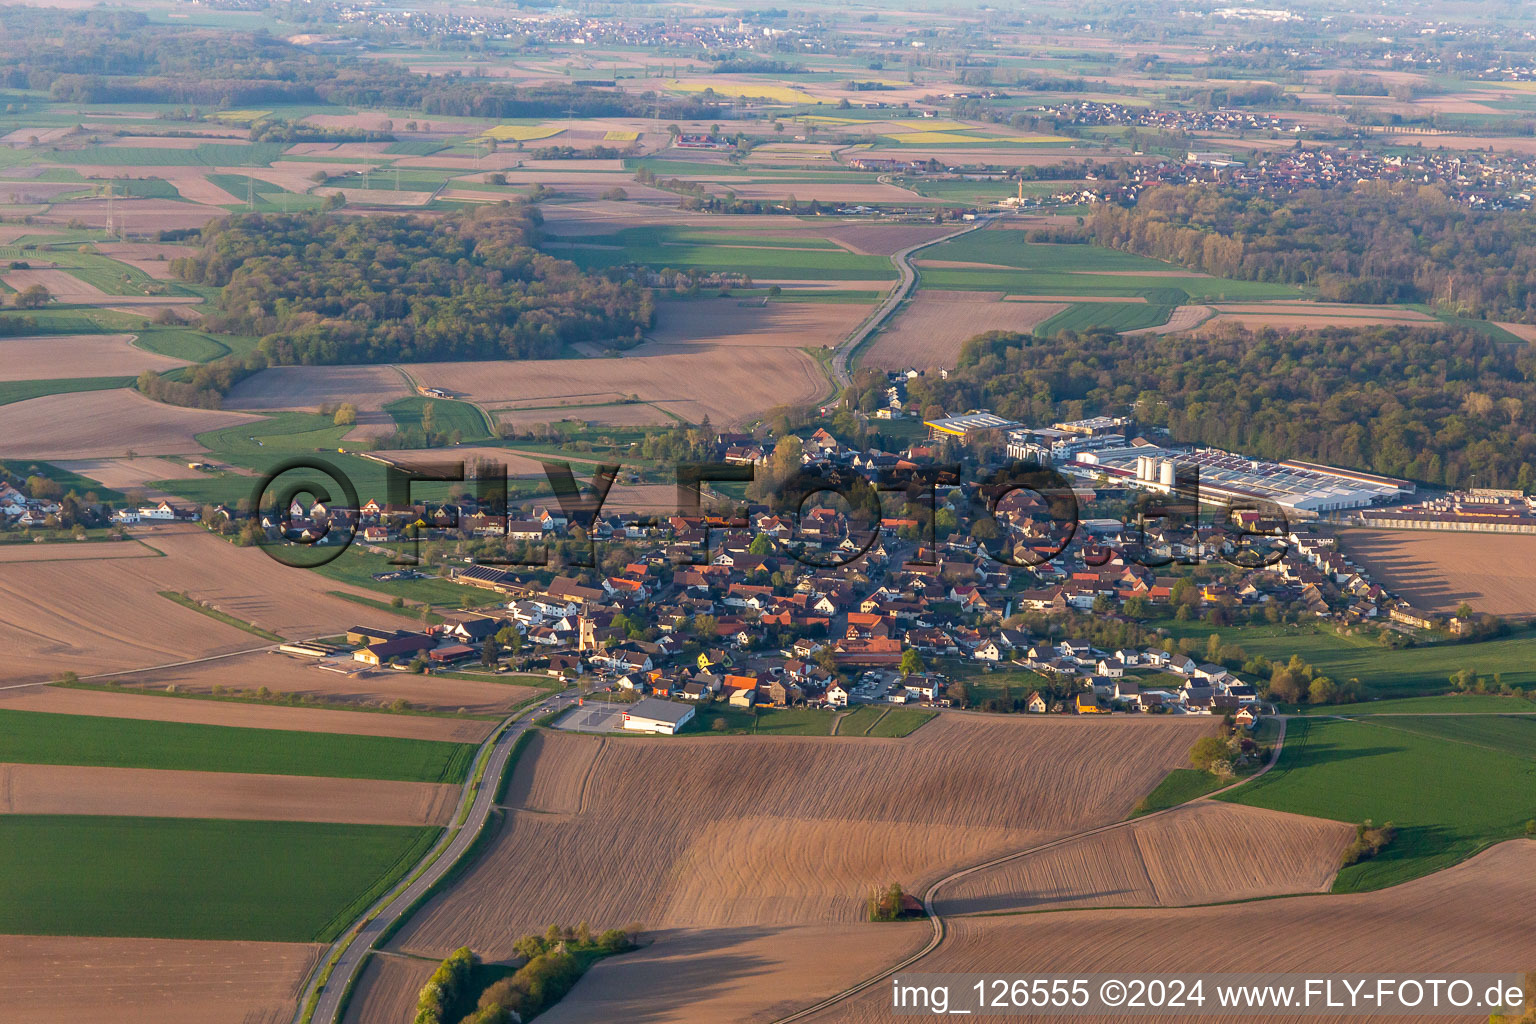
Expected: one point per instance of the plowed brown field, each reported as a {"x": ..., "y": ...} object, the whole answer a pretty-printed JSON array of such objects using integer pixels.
[
  {"x": 387, "y": 989},
  {"x": 781, "y": 831},
  {"x": 249, "y": 716},
  {"x": 1204, "y": 852},
  {"x": 727, "y": 322},
  {"x": 929, "y": 331},
  {"x": 728, "y": 384},
  {"x": 66, "y": 980},
  {"x": 61, "y": 356},
  {"x": 1467, "y": 918},
  {"x": 1439, "y": 569},
  {"x": 72, "y": 789},
  {"x": 95, "y": 424}
]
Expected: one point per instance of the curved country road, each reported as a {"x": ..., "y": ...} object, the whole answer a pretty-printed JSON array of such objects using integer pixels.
[
  {"x": 353, "y": 947},
  {"x": 842, "y": 373},
  {"x": 938, "y": 922}
]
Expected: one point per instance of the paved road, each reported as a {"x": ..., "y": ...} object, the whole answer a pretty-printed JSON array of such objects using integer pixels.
[
  {"x": 842, "y": 373},
  {"x": 938, "y": 922},
  {"x": 355, "y": 945}
]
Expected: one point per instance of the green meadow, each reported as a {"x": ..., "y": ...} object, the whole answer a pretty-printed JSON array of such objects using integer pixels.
[
  {"x": 1452, "y": 786},
  {"x": 192, "y": 878},
  {"x": 39, "y": 737}
]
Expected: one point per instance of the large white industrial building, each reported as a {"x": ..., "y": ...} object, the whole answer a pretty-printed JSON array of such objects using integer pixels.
[{"x": 1226, "y": 478}]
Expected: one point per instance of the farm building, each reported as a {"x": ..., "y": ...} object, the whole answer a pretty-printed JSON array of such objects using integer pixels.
[{"x": 658, "y": 716}]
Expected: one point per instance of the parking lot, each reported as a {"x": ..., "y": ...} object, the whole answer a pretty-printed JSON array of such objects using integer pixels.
[{"x": 593, "y": 717}]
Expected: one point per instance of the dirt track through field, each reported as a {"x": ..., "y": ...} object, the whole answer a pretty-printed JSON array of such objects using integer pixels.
[
  {"x": 738, "y": 853},
  {"x": 72, "y": 789},
  {"x": 66, "y": 980},
  {"x": 1461, "y": 919},
  {"x": 1203, "y": 852}
]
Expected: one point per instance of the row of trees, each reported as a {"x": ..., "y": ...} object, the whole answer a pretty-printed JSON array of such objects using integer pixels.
[{"x": 327, "y": 289}]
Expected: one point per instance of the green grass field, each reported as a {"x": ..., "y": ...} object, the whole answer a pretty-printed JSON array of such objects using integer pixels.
[
  {"x": 762, "y": 721},
  {"x": 447, "y": 417},
  {"x": 191, "y": 878},
  {"x": 723, "y": 251},
  {"x": 1445, "y": 704},
  {"x": 1105, "y": 316},
  {"x": 39, "y": 737},
  {"x": 193, "y": 346},
  {"x": 1450, "y": 794},
  {"x": 21, "y": 390},
  {"x": 1384, "y": 672},
  {"x": 1179, "y": 787},
  {"x": 211, "y": 154},
  {"x": 884, "y": 720}
]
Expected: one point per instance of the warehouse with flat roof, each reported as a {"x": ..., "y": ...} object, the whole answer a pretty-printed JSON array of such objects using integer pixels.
[{"x": 652, "y": 715}]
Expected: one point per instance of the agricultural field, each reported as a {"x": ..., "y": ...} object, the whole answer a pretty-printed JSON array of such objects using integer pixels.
[
  {"x": 63, "y": 356},
  {"x": 69, "y": 789},
  {"x": 740, "y": 388},
  {"x": 1439, "y": 570},
  {"x": 46, "y": 979},
  {"x": 795, "y": 856},
  {"x": 1455, "y": 920},
  {"x": 1429, "y": 776},
  {"x": 97, "y": 424},
  {"x": 195, "y": 878},
  {"x": 45, "y": 738},
  {"x": 931, "y": 328},
  {"x": 1201, "y": 852}
]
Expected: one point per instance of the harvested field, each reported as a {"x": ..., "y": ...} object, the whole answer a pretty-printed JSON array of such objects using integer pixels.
[
  {"x": 65, "y": 979},
  {"x": 135, "y": 215},
  {"x": 363, "y": 687},
  {"x": 738, "y": 853},
  {"x": 10, "y": 554},
  {"x": 305, "y": 388},
  {"x": 1197, "y": 853},
  {"x": 198, "y": 189},
  {"x": 1184, "y": 318},
  {"x": 1525, "y": 332},
  {"x": 387, "y": 989},
  {"x": 98, "y": 424},
  {"x": 727, "y": 384},
  {"x": 1460, "y": 919},
  {"x": 1118, "y": 300},
  {"x": 703, "y": 976},
  {"x": 153, "y": 258},
  {"x": 1436, "y": 570},
  {"x": 71, "y": 789},
  {"x": 930, "y": 330},
  {"x": 108, "y": 616},
  {"x": 60, "y": 356},
  {"x": 727, "y": 322},
  {"x": 1298, "y": 322},
  {"x": 129, "y": 474},
  {"x": 1342, "y": 310},
  {"x": 826, "y": 192},
  {"x": 144, "y": 707},
  {"x": 62, "y": 285}
]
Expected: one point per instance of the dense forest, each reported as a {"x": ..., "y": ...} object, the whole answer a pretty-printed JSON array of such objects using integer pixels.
[
  {"x": 121, "y": 57},
  {"x": 1442, "y": 406},
  {"x": 329, "y": 288},
  {"x": 1376, "y": 242}
]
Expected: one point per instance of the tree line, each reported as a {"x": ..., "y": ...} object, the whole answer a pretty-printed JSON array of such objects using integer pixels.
[
  {"x": 1441, "y": 405},
  {"x": 1373, "y": 242},
  {"x": 321, "y": 288}
]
